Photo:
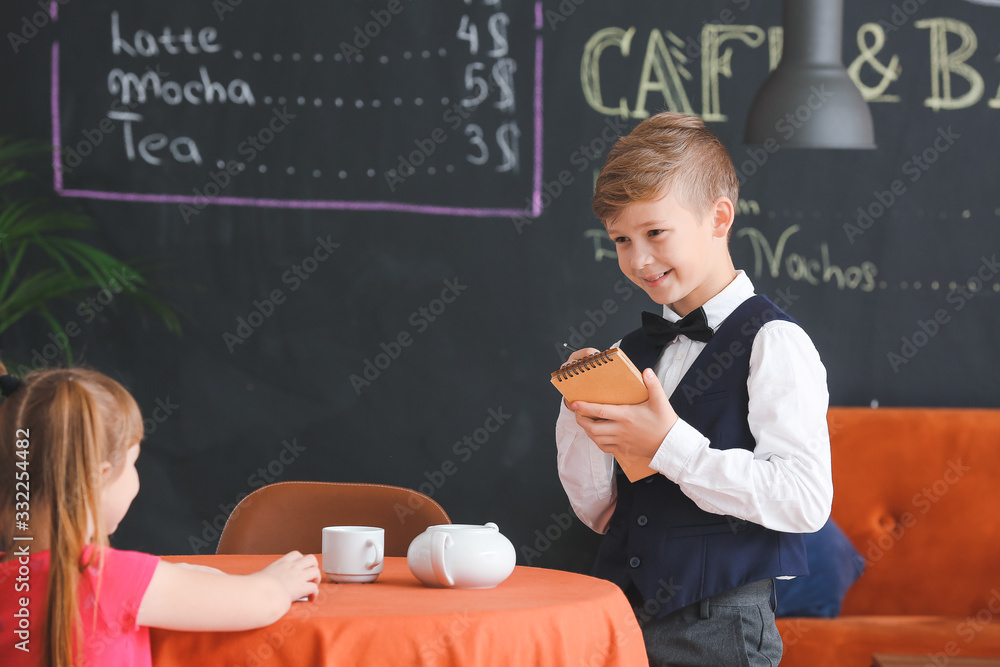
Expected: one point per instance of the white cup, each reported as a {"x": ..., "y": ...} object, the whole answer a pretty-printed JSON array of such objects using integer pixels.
[{"x": 353, "y": 554}]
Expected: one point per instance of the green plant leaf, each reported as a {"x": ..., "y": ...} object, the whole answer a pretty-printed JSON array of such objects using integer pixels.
[
  {"x": 45, "y": 263},
  {"x": 12, "y": 265},
  {"x": 57, "y": 330}
]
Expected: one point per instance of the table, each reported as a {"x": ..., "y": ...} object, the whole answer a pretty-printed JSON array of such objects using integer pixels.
[
  {"x": 535, "y": 617},
  {"x": 889, "y": 660}
]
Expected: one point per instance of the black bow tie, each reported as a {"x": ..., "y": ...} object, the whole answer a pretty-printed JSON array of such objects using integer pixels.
[{"x": 694, "y": 325}]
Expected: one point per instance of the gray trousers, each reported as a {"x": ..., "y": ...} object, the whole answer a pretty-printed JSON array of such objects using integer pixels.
[{"x": 734, "y": 629}]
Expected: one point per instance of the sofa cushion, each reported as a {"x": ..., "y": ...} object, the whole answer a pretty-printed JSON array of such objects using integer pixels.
[
  {"x": 834, "y": 564},
  {"x": 851, "y": 640},
  {"x": 915, "y": 491}
]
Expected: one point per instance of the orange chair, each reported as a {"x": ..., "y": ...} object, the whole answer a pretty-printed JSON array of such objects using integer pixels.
[{"x": 287, "y": 516}]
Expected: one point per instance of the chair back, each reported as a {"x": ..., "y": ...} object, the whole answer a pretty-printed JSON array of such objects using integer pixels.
[{"x": 287, "y": 516}]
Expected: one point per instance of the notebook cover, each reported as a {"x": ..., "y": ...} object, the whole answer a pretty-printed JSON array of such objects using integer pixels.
[{"x": 610, "y": 378}]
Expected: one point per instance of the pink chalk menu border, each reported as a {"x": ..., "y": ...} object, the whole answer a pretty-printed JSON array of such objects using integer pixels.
[{"x": 402, "y": 207}]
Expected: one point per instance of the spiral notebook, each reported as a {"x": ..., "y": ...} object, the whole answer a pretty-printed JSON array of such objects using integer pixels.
[{"x": 607, "y": 377}]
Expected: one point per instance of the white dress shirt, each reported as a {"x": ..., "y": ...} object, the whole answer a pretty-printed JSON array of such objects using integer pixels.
[{"x": 785, "y": 483}]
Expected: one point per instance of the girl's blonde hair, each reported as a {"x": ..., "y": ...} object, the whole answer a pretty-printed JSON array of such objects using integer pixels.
[
  {"x": 668, "y": 152},
  {"x": 69, "y": 422}
]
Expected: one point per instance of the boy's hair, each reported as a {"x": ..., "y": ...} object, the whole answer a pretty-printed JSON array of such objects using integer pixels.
[
  {"x": 67, "y": 422},
  {"x": 668, "y": 152}
]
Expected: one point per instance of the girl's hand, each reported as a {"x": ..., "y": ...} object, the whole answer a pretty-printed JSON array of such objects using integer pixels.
[
  {"x": 199, "y": 568},
  {"x": 298, "y": 575},
  {"x": 201, "y": 599}
]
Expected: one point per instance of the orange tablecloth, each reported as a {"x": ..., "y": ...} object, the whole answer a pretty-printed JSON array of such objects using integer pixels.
[{"x": 535, "y": 617}]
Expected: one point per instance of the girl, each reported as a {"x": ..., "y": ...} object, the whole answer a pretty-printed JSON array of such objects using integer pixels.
[{"x": 69, "y": 439}]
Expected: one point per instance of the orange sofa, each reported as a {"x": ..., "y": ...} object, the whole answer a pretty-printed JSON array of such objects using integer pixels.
[{"x": 917, "y": 491}]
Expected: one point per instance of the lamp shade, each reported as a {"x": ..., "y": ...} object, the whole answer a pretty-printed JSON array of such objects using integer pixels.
[{"x": 809, "y": 101}]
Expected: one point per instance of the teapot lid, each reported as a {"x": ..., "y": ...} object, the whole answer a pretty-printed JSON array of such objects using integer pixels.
[{"x": 459, "y": 527}]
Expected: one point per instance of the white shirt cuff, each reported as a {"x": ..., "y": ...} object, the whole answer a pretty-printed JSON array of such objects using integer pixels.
[{"x": 681, "y": 443}]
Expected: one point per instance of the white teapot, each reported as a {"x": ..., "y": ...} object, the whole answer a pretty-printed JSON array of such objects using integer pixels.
[{"x": 461, "y": 556}]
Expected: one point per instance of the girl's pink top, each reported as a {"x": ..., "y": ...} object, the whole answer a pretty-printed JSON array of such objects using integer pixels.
[{"x": 113, "y": 638}]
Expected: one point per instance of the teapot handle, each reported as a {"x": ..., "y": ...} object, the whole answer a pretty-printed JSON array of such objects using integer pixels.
[{"x": 441, "y": 540}]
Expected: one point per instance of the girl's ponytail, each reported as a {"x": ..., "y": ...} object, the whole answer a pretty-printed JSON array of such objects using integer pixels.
[{"x": 72, "y": 476}]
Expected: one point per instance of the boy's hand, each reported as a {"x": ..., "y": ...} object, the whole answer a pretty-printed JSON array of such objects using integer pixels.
[
  {"x": 579, "y": 354},
  {"x": 629, "y": 429},
  {"x": 298, "y": 575}
]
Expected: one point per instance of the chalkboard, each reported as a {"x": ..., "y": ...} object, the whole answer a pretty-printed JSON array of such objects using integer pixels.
[
  {"x": 212, "y": 104},
  {"x": 374, "y": 219}
]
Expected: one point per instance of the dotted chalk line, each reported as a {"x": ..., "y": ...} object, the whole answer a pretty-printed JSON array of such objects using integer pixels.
[
  {"x": 317, "y": 173},
  {"x": 383, "y": 59},
  {"x": 357, "y": 103}
]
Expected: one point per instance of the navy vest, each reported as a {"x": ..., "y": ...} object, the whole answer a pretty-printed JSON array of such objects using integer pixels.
[{"x": 659, "y": 540}]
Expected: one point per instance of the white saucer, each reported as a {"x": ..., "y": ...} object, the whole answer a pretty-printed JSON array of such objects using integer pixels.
[{"x": 352, "y": 578}]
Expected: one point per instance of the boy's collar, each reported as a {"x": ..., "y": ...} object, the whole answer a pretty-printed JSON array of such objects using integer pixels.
[{"x": 720, "y": 306}]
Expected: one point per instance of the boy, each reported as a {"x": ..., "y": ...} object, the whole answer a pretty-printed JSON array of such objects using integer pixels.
[{"x": 741, "y": 445}]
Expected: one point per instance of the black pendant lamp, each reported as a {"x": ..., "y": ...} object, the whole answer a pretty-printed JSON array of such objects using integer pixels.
[{"x": 809, "y": 101}]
